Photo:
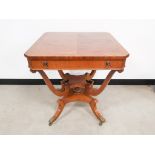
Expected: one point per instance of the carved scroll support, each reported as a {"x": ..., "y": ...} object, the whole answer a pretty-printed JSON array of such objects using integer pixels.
[
  {"x": 77, "y": 88},
  {"x": 89, "y": 76},
  {"x": 77, "y": 97},
  {"x": 57, "y": 92},
  {"x": 62, "y": 74},
  {"x": 94, "y": 91}
]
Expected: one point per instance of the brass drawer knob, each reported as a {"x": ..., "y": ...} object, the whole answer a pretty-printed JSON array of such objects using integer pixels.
[
  {"x": 107, "y": 64},
  {"x": 45, "y": 64}
]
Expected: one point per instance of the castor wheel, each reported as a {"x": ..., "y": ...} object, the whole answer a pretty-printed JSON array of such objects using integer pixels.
[
  {"x": 100, "y": 123},
  {"x": 50, "y": 123}
]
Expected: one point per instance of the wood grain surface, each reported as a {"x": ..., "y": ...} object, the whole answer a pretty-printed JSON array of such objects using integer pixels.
[
  {"x": 76, "y": 50},
  {"x": 76, "y": 46}
]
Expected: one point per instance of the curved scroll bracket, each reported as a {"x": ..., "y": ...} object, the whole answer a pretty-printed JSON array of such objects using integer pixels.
[
  {"x": 94, "y": 91},
  {"x": 62, "y": 74},
  {"x": 90, "y": 75},
  {"x": 57, "y": 92}
]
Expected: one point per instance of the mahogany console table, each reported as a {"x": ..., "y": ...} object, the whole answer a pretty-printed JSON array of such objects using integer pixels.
[{"x": 76, "y": 51}]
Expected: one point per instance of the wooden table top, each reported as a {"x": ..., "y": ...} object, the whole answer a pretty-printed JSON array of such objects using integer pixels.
[{"x": 76, "y": 45}]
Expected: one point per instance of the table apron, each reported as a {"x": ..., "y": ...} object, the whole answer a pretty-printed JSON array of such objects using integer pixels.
[{"x": 76, "y": 64}]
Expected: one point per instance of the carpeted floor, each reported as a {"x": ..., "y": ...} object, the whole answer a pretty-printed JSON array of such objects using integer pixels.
[{"x": 27, "y": 109}]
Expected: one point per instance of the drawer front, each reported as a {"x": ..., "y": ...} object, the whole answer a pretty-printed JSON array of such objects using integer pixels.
[{"x": 69, "y": 65}]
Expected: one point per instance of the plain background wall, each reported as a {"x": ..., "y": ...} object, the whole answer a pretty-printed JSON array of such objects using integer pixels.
[{"x": 137, "y": 36}]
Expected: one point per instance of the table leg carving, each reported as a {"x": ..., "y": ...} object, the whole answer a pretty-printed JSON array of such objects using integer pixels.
[
  {"x": 96, "y": 112},
  {"x": 62, "y": 102},
  {"x": 77, "y": 88},
  {"x": 90, "y": 75},
  {"x": 62, "y": 74},
  {"x": 77, "y": 97},
  {"x": 51, "y": 87},
  {"x": 60, "y": 108},
  {"x": 94, "y": 91}
]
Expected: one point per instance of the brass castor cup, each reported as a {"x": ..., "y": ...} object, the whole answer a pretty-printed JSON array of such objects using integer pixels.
[{"x": 50, "y": 123}]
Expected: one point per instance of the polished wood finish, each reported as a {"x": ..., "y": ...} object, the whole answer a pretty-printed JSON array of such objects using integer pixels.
[
  {"x": 77, "y": 64},
  {"x": 73, "y": 50},
  {"x": 87, "y": 45},
  {"x": 76, "y": 50},
  {"x": 76, "y": 88}
]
